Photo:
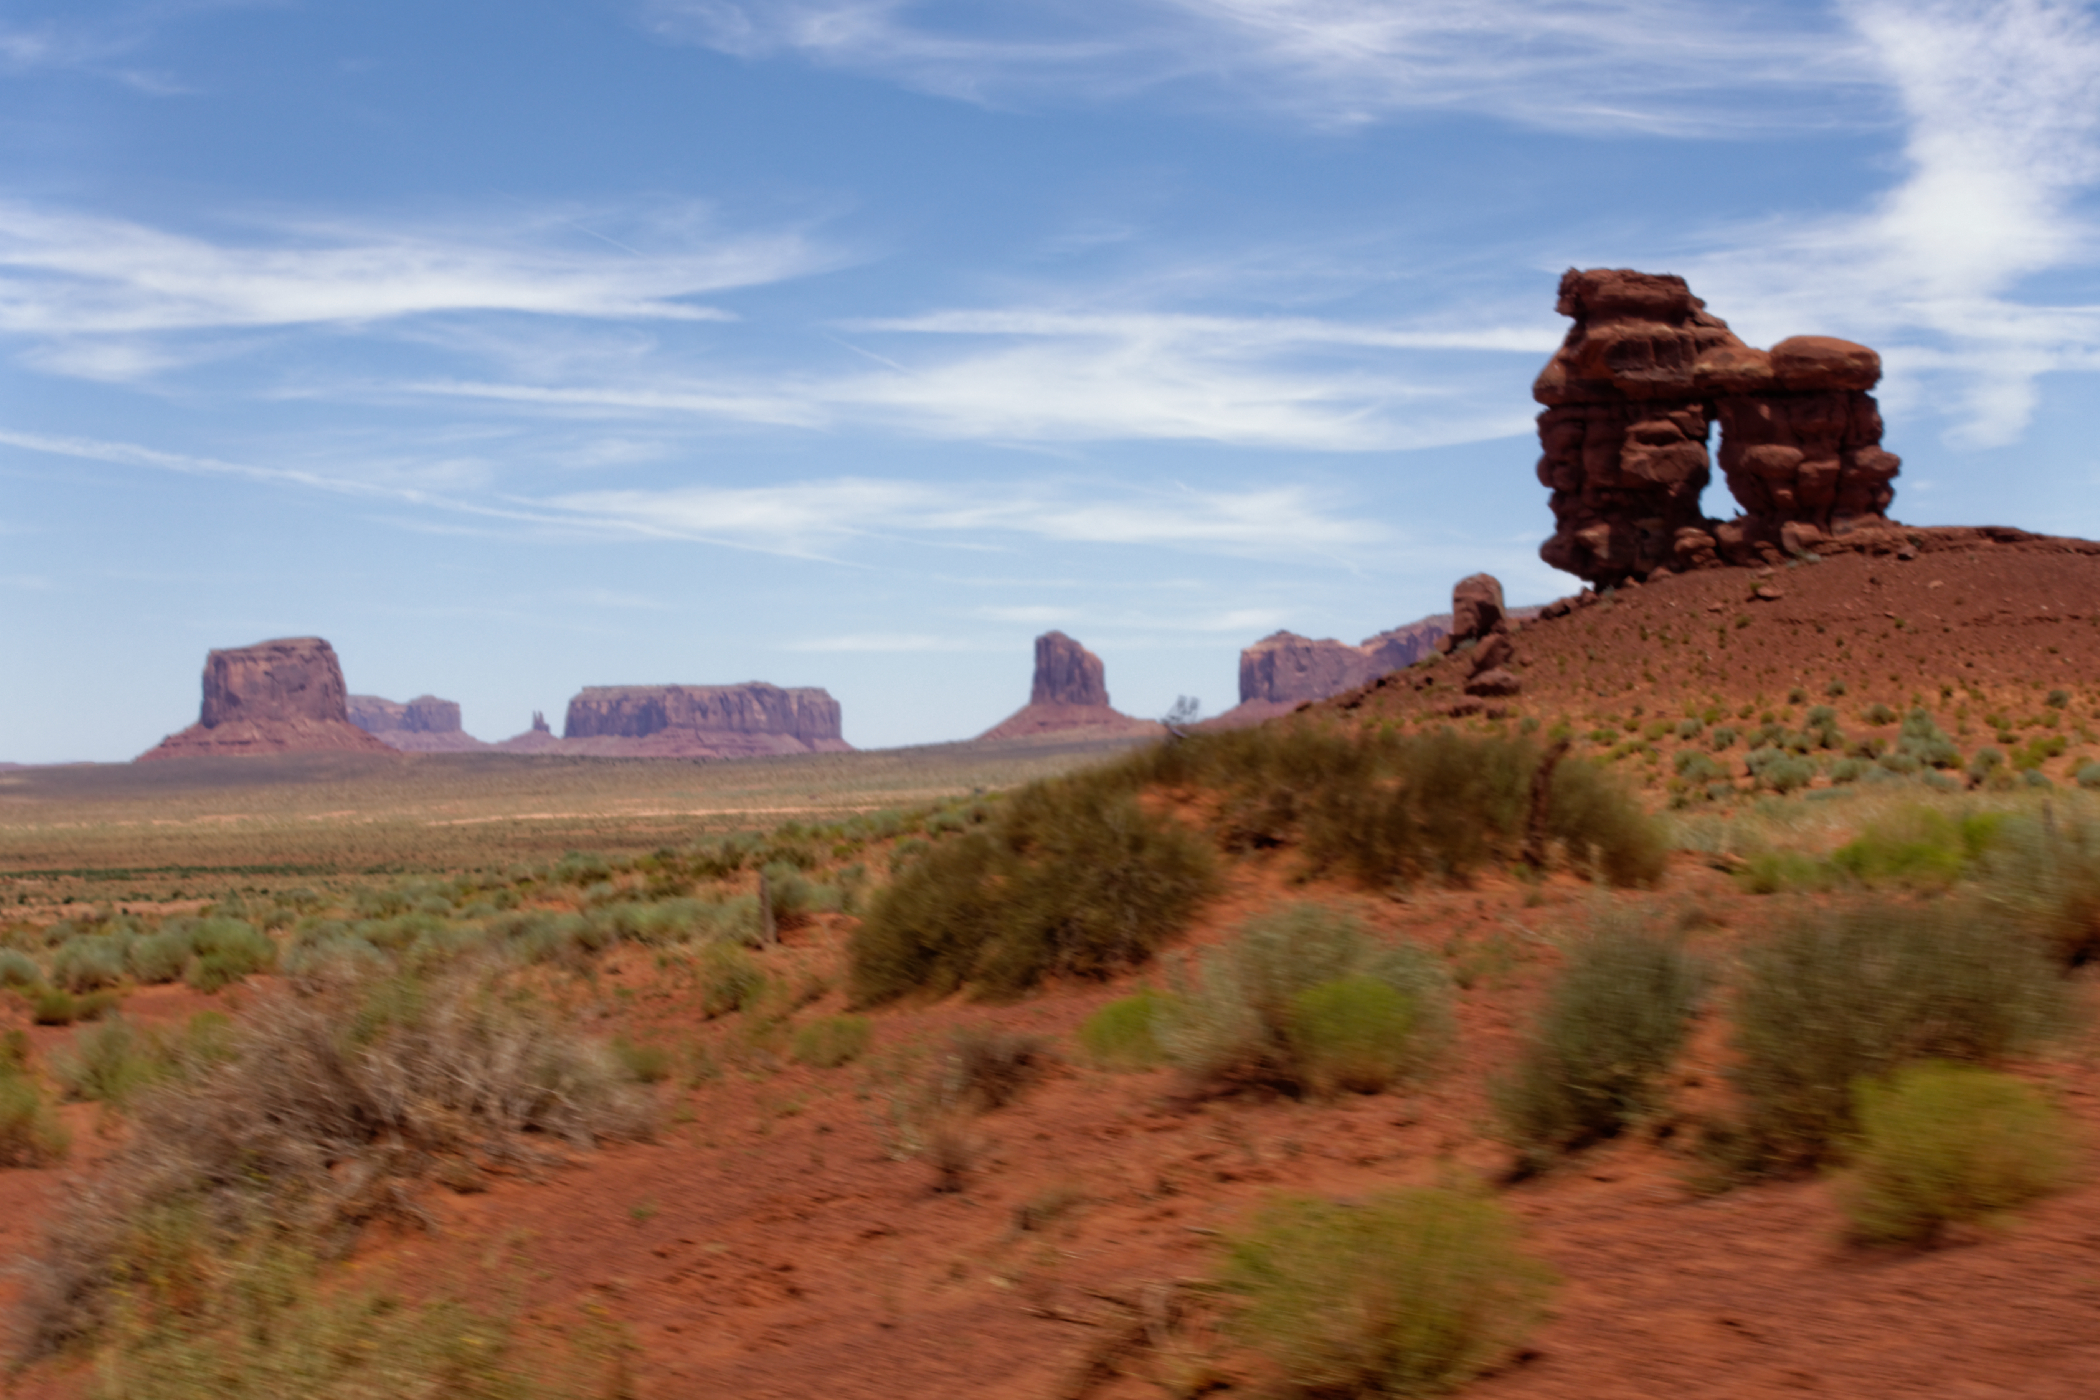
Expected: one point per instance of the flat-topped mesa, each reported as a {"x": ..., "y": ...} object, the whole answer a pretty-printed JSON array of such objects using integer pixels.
[
  {"x": 1070, "y": 691},
  {"x": 1630, "y": 398},
  {"x": 282, "y": 696},
  {"x": 703, "y": 720},
  {"x": 425, "y": 724},
  {"x": 1285, "y": 670}
]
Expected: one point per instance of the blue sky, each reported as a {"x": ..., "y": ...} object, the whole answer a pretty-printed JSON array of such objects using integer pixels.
[{"x": 521, "y": 346}]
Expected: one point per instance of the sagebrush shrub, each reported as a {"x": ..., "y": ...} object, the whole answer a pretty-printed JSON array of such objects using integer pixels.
[
  {"x": 1071, "y": 878},
  {"x": 2043, "y": 875},
  {"x": 1612, "y": 1024},
  {"x": 1125, "y": 1033},
  {"x": 109, "y": 1063},
  {"x": 1940, "y": 1144},
  {"x": 1411, "y": 1293},
  {"x": 320, "y": 1113},
  {"x": 1836, "y": 996},
  {"x": 19, "y": 970},
  {"x": 729, "y": 979},
  {"x": 831, "y": 1041},
  {"x": 89, "y": 962},
  {"x": 987, "y": 1069},
  {"x": 1230, "y": 1024},
  {"x": 30, "y": 1134},
  {"x": 160, "y": 957},
  {"x": 1355, "y": 1033}
]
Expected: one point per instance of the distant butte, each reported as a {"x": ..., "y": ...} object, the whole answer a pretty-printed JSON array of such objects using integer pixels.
[
  {"x": 425, "y": 724},
  {"x": 282, "y": 696},
  {"x": 691, "y": 721},
  {"x": 1070, "y": 693}
]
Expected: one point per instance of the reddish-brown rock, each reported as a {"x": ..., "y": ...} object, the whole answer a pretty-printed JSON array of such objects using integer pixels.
[
  {"x": 700, "y": 721},
  {"x": 1284, "y": 670},
  {"x": 1070, "y": 692},
  {"x": 283, "y": 696},
  {"x": 1630, "y": 398},
  {"x": 425, "y": 724},
  {"x": 1476, "y": 607},
  {"x": 1066, "y": 673}
]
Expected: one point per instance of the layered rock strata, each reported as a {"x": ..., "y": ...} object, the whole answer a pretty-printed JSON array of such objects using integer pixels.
[
  {"x": 425, "y": 724},
  {"x": 1631, "y": 397},
  {"x": 1069, "y": 692},
  {"x": 702, "y": 721},
  {"x": 1284, "y": 670},
  {"x": 282, "y": 696}
]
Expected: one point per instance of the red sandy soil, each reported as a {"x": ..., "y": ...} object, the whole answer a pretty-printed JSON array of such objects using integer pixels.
[
  {"x": 2006, "y": 620},
  {"x": 776, "y": 1243},
  {"x": 1033, "y": 719}
]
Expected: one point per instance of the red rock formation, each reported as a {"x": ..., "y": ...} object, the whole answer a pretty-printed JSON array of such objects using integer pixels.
[
  {"x": 1625, "y": 427},
  {"x": 1284, "y": 670},
  {"x": 1070, "y": 692},
  {"x": 284, "y": 696},
  {"x": 1800, "y": 443},
  {"x": 1630, "y": 397},
  {"x": 425, "y": 724},
  {"x": 701, "y": 721}
]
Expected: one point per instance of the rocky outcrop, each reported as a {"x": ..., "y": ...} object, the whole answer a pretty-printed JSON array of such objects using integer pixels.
[
  {"x": 538, "y": 739},
  {"x": 1630, "y": 398},
  {"x": 1070, "y": 692},
  {"x": 700, "y": 721},
  {"x": 283, "y": 696},
  {"x": 1800, "y": 444},
  {"x": 1284, "y": 670},
  {"x": 425, "y": 724}
]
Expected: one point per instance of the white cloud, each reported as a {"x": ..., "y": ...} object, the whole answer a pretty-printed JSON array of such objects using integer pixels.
[
  {"x": 1648, "y": 65},
  {"x": 1033, "y": 374},
  {"x": 67, "y": 275},
  {"x": 2002, "y": 102},
  {"x": 808, "y": 518}
]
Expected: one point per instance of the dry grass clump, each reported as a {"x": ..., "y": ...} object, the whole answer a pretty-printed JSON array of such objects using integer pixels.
[
  {"x": 30, "y": 1134},
  {"x": 987, "y": 1069},
  {"x": 1285, "y": 1005},
  {"x": 1072, "y": 878},
  {"x": 1857, "y": 992},
  {"x": 1941, "y": 1144},
  {"x": 1611, "y": 1025},
  {"x": 324, "y": 1113},
  {"x": 1411, "y": 1293},
  {"x": 2042, "y": 873}
]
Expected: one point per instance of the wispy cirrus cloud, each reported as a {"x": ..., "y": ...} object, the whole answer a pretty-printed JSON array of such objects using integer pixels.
[
  {"x": 1596, "y": 65},
  {"x": 827, "y": 517},
  {"x": 91, "y": 292},
  {"x": 2002, "y": 105}
]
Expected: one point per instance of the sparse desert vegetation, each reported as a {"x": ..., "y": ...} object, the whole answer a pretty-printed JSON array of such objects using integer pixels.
[{"x": 1299, "y": 1057}]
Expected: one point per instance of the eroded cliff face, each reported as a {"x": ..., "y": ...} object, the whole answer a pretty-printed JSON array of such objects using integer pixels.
[
  {"x": 1631, "y": 398},
  {"x": 282, "y": 696},
  {"x": 1284, "y": 670},
  {"x": 702, "y": 721}
]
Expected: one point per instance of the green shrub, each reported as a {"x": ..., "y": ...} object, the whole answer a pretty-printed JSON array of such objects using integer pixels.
[
  {"x": 730, "y": 979},
  {"x": 1722, "y": 738},
  {"x": 1917, "y": 846},
  {"x": 1837, "y": 996},
  {"x": 1774, "y": 872},
  {"x": 2088, "y": 775},
  {"x": 1943, "y": 1143},
  {"x": 831, "y": 1041},
  {"x": 228, "y": 950},
  {"x": 1778, "y": 770},
  {"x": 30, "y": 1133},
  {"x": 1231, "y": 1025},
  {"x": 1125, "y": 1033},
  {"x": 1410, "y": 1293},
  {"x": 1696, "y": 767},
  {"x": 1878, "y": 714},
  {"x": 259, "y": 1327},
  {"x": 89, "y": 962},
  {"x": 109, "y": 1064},
  {"x": 53, "y": 1006},
  {"x": 644, "y": 1063},
  {"x": 1353, "y": 1034},
  {"x": 1070, "y": 878},
  {"x": 1925, "y": 741},
  {"x": 2044, "y": 876},
  {"x": 1847, "y": 770},
  {"x": 1612, "y": 1024},
  {"x": 160, "y": 957},
  {"x": 319, "y": 1112},
  {"x": 1603, "y": 828},
  {"x": 19, "y": 970}
]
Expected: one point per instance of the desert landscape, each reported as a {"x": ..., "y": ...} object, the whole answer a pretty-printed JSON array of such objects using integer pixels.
[{"x": 1683, "y": 987}]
